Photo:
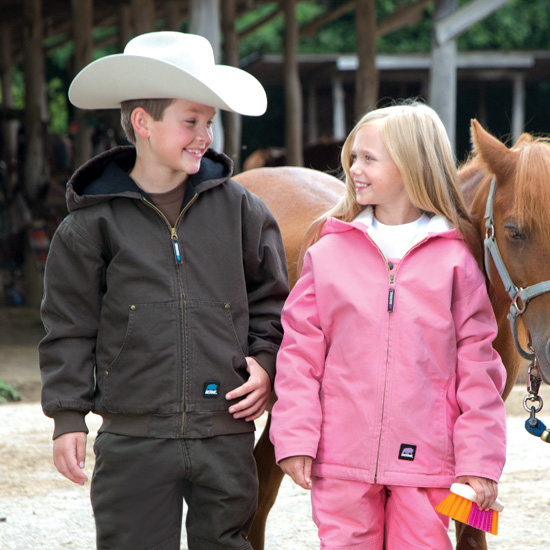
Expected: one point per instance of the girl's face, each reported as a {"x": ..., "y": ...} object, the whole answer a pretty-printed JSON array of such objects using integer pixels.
[
  {"x": 180, "y": 139},
  {"x": 376, "y": 177}
]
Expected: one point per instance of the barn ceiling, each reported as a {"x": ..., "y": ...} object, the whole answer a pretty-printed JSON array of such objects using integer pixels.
[{"x": 57, "y": 15}]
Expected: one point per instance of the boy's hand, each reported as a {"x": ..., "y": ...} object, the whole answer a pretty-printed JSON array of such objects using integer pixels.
[
  {"x": 299, "y": 469},
  {"x": 486, "y": 490},
  {"x": 69, "y": 456},
  {"x": 258, "y": 388}
]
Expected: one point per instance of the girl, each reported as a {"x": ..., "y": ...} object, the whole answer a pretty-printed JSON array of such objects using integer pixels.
[{"x": 388, "y": 386}]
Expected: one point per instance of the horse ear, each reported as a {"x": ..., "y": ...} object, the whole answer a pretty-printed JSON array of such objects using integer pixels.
[{"x": 497, "y": 158}]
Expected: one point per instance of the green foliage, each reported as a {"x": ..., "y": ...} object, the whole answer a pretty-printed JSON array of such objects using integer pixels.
[
  {"x": 518, "y": 25},
  {"x": 8, "y": 393},
  {"x": 269, "y": 38},
  {"x": 416, "y": 38}
]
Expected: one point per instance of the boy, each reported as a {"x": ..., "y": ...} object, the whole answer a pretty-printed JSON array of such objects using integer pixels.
[{"x": 163, "y": 291}]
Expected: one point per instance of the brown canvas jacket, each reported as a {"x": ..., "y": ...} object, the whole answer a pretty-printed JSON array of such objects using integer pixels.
[{"x": 149, "y": 325}]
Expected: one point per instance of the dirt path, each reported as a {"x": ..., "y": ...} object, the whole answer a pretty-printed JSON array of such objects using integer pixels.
[{"x": 40, "y": 510}]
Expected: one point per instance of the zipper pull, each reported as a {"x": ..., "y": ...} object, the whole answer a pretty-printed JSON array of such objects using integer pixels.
[
  {"x": 391, "y": 293},
  {"x": 176, "y": 245},
  {"x": 391, "y": 299}
]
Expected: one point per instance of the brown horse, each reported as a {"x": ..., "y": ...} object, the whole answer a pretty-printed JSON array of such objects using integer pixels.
[
  {"x": 520, "y": 229},
  {"x": 297, "y": 196},
  {"x": 522, "y": 232}
]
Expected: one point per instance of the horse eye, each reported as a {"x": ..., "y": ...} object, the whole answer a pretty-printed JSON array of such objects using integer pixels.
[{"x": 515, "y": 232}]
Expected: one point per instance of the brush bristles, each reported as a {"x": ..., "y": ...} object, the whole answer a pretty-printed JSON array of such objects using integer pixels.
[
  {"x": 464, "y": 510},
  {"x": 486, "y": 520},
  {"x": 456, "y": 507}
]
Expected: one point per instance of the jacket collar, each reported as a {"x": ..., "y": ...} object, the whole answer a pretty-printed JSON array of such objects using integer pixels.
[
  {"x": 437, "y": 226},
  {"x": 106, "y": 176}
]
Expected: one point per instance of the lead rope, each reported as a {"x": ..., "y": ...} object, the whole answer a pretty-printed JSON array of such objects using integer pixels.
[{"x": 533, "y": 425}]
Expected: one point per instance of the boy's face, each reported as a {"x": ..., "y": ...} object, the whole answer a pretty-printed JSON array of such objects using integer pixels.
[{"x": 179, "y": 140}]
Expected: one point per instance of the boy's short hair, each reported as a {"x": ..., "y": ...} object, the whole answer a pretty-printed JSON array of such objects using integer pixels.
[{"x": 153, "y": 107}]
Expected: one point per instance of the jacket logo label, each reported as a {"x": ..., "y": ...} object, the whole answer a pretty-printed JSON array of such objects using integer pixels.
[
  {"x": 211, "y": 389},
  {"x": 407, "y": 451}
]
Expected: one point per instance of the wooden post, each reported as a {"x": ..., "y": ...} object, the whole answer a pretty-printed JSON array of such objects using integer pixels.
[
  {"x": 312, "y": 126},
  {"x": 293, "y": 89},
  {"x": 35, "y": 167},
  {"x": 366, "y": 76},
  {"x": 82, "y": 24},
  {"x": 35, "y": 99},
  {"x": 338, "y": 108},
  {"x": 482, "y": 104},
  {"x": 9, "y": 126},
  {"x": 232, "y": 121},
  {"x": 172, "y": 17},
  {"x": 124, "y": 26},
  {"x": 518, "y": 106},
  {"x": 205, "y": 20},
  {"x": 448, "y": 23},
  {"x": 443, "y": 72},
  {"x": 143, "y": 13}
]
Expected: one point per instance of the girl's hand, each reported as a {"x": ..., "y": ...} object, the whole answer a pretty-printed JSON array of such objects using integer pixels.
[
  {"x": 299, "y": 469},
  {"x": 257, "y": 390},
  {"x": 486, "y": 490}
]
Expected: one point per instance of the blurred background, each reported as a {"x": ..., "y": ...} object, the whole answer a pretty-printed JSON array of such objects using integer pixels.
[{"x": 323, "y": 64}]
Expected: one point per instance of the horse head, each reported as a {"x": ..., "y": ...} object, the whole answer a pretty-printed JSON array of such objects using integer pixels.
[{"x": 520, "y": 226}]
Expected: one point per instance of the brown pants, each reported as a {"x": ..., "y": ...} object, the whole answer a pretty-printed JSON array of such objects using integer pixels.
[{"x": 139, "y": 485}]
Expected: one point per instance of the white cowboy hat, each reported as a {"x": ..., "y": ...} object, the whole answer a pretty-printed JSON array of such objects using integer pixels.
[{"x": 167, "y": 65}]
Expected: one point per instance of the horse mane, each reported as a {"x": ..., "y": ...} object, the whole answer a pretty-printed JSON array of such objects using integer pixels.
[
  {"x": 531, "y": 174},
  {"x": 532, "y": 183}
]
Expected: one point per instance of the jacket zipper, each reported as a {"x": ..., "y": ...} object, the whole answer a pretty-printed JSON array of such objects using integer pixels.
[
  {"x": 177, "y": 257},
  {"x": 391, "y": 302},
  {"x": 173, "y": 232},
  {"x": 391, "y": 305}
]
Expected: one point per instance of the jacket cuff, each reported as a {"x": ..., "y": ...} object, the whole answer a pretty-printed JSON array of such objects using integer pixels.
[
  {"x": 267, "y": 362},
  {"x": 69, "y": 421}
]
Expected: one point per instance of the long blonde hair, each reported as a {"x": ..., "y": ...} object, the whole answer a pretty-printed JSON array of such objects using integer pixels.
[{"x": 417, "y": 142}]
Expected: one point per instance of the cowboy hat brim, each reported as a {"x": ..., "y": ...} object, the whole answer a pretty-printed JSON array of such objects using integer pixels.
[{"x": 105, "y": 83}]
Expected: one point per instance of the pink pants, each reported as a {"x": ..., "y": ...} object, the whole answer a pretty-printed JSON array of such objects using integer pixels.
[{"x": 351, "y": 515}]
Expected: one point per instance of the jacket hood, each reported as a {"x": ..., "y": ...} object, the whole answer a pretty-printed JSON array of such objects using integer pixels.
[
  {"x": 438, "y": 225},
  {"x": 106, "y": 176}
]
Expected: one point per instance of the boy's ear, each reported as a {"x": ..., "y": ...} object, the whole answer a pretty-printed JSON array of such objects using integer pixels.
[{"x": 140, "y": 122}]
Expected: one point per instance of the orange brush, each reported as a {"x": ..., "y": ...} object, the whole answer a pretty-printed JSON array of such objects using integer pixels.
[{"x": 461, "y": 505}]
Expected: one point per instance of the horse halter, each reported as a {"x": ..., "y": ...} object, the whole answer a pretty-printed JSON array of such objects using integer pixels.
[{"x": 520, "y": 298}]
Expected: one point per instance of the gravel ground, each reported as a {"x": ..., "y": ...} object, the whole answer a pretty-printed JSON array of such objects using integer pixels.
[{"x": 41, "y": 510}]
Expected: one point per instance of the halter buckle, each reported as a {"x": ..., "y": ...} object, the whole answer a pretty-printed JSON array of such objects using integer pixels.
[
  {"x": 518, "y": 302},
  {"x": 535, "y": 380}
]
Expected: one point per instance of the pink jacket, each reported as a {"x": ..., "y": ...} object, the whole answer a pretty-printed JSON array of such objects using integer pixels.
[{"x": 390, "y": 376}]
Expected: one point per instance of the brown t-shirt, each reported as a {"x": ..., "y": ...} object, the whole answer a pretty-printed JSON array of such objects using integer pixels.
[{"x": 170, "y": 202}]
